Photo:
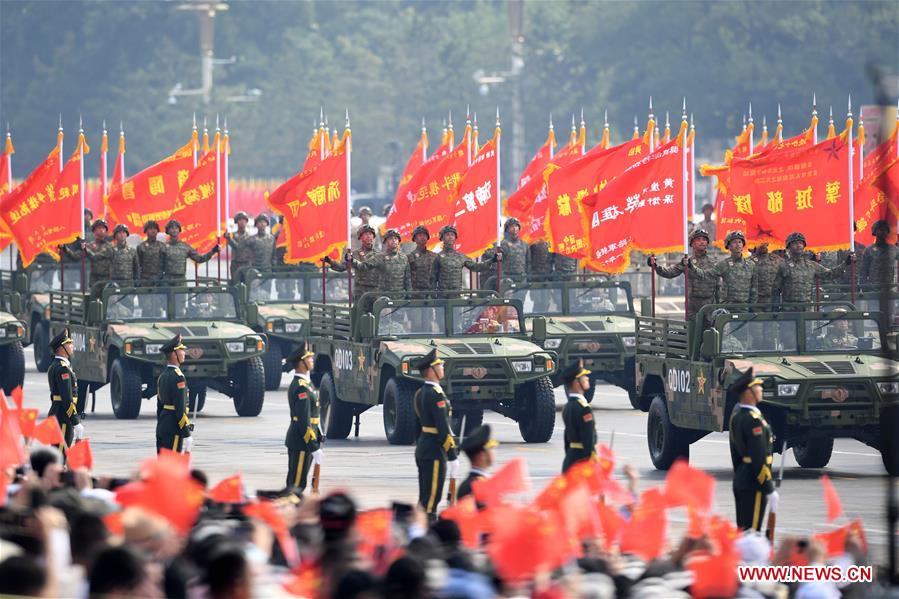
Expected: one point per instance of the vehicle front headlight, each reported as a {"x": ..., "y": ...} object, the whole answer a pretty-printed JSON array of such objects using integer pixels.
[
  {"x": 888, "y": 387},
  {"x": 235, "y": 346},
  {"x": 154, "y": 348},
  {"x": 629, "y": 341},
  {"x": 522, "y": 366},
  {"x": 788, "y": 389},
  {"x": 293, "y": 327},
  {"x": 552, "y": 343}
]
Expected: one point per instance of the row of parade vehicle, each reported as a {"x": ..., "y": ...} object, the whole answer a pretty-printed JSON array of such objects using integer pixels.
[{"x": 502, "y": 352}]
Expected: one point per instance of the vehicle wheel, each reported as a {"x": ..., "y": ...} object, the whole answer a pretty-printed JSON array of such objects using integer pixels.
[
  {"x": 813, "y": 452},
  {"x": 272, "y": 362},
  {"x": 539, "y": 416},
  {"x": 249, "y": 386},
  {"x": 12, "y": 357},
  {"x": 40, "y": 342},
  {"x": 637, "y": 402},
  {"x": 197, "y": 397},
  {"x": 336, "y": 415},
  {"x": 400, "y": 422},
  {"x": 666, "y": 441},
  {"x": 473, "y": 419},
  {"x": 889, "y": 445},
  {"x": 125, "y": 389}
]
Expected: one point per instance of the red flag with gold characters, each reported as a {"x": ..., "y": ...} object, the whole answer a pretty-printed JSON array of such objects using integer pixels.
[
  {"x": 568, "y": 186},
  {"x": 477, "y": 202},
  {"x": 196, "y": 208},
  {"x": 406, "y": 194},
  {"x": 641, "y": 209},
  {"x": 315, "y": 207},
  {"x": 431, "y": 194},
  {"x": 876, "y": 196},
  {"x": 777, "y": 191},
  {"x": 152, "y": 194},
  {"x": 530, "y": 200}
]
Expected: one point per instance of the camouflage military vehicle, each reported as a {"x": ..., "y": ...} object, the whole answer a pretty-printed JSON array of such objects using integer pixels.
[
  {"x": 825, "y": 376},
  {"x": 276, "y": 304},
  {"x": 586, "y": 318},
  {"x": 34, "y": 286},
  {"x": 12, "y": 356},
  {"x": 118, "y": 339},
  {"x": 366, "y": 359}
]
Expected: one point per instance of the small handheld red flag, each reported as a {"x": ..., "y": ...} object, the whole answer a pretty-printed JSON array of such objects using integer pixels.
[
  {"x": 79, "y": 455},
  {"x": 832, "y": 499},
  {"x": 48, "y": 432},
  {"x": 229, "y": 490},
  {"x": 690, "y": 487},
  {"x": 27, "y": 420},
  {"x": 512, "y": 478}
]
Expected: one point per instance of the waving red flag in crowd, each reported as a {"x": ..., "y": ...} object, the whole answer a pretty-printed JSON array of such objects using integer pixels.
[
  {"x": 79, "y": 455},
  {"x": 477, "y": 201},
  {"x": 228, "y": 490},
  {"x": 196, "y": 207}
]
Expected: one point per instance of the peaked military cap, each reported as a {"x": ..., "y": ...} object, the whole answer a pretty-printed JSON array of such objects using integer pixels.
[
  {"x": 573, "y": 371},
  {"x": 697, "y": 232},
  {"x": 365, "y": 209},
  {"x": 478, "y": 439},
  {"x": 300, "y": 353},
  {"x": 510, "y": 222},
  {"x": 745, "y": 381},
  {"x": 151, "y": 224},
  {"x": 121, "y": 227},
  {"x": 364, "y": 229},
  {"x": 60, "y": 340},
  {"x": 448, "y": 229},
  {"x": 421, "y": 229},
  {"x": 172, "y": 223},
  {"x": 429, "y": 360},
  {"x": 795, "y": 236},
  {"x": 172, "y": 344},
  {"x": 392, "y": 233},
  {"x": 98, "y": 223},
  {"x": 261, "y": 216},
  {"x": 734, "y": 235},
  {"x": 241, "y": 215}
]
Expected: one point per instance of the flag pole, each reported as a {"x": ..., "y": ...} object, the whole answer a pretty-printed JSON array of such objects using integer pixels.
[
  {"x": 218, "y": 194},
  {"x": 499, "y": 230},
  {"x": 226, "y": 148},
  {"x": 582, "y": 137},
  {"x": 650, "y": 126},
  {"x": 751, "y": 131},
  {"x": 348, "y": 150},
  {"x": 59, "y": 139},
  {"x": 852, "y": 272},
  {"x": 684, "y": 198},
  {"x": 80, "y": 189},
  {"x": 779, "y": 132},
  {"x": 424, "y": 137},
  {"x": 814, "y": 119},
  {"x": 468, "y": 133},
  {"x": 552, "y": 134},
  {"x": 9, "y": 152},
  {"x": 104, "y": 179}
]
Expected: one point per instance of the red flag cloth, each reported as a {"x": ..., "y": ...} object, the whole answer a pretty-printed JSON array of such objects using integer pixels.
[
  {"x": 552, "y": 494},
  {"x": 228, "y": 490},
  {"x": 79, "y": 455},
  {"x": 27, "y": 420},
  {"x": 834, "y": 541},
  {"x": 612, "y": 524},
  {"x": 590, "y": 473},
  {"x": 465, "y": 514},
  {"x": 713, "y": 575},
  {"x": 3, "y": 405},
  {"x": 875, "y": 198},
  {"x": 407, "y": 194},
  {"x": 688, "y": 486},
  {"x": 48, "y": 432},
  {"x": 305, "y": 581},
  {"x": 196, "y": 209},
  {"x": 152, "y": 194},
  {"x": 831, "y": 499},
  {"x": 374, "y": 528},
  {"x": 578, "y": 513},
  {"x": 316, "y": 215},
  {"x": 17, "y": 396},
  {"x": 637, "y": 209},
  {"x": 168, "y": 478},
  {"x": 644, "y": 534},
  {"x": 477, "y": 202},
  {"x": 534, "y": 169},
  {"x": 773, "y": 192},
  {"x": 568, "y": 185},
  {"x": 526, "y": 542},
  {"x": 269, "y": 513},
  {"x": 511, "y": 479},
  {"x": 12, "y": 451},
  {"x": 5, "y": 174},
  {"x": 416, "y": 159},
  {"x": 432, "y": 192}
]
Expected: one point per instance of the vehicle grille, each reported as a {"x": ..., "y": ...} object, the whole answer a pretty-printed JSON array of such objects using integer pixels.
[
  {"x": 211, "y": 352},
  {"x": 470, "y": 349},
  {"x": 840, "y": 367}
]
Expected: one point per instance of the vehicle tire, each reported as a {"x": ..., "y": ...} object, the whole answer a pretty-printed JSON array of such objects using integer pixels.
[
  {"x": 666, "y": 441},
  {"x": 400, "y": 422},
  {"x": 125, "y": 389},
  {"x": 12, "y": 357},
  {"x": 40, "y": 342},
  {"x": 197, "y": 397},
  {"x": 336, "y": 415},
  {"x": 813, "y": 452},
  {"x": 249, "y": 386},
  {"x": 539, "y": 417},
  {"x": 272, "y": 362},
  {"x": 473, "y": 419},
  {"x": 638, "y": 402},
  {"x": 889, "y": 445}
]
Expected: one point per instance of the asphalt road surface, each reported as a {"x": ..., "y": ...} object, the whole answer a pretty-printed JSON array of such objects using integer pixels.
[{"x": 377, "y": 473}]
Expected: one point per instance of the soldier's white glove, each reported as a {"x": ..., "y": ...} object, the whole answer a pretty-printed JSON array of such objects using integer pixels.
[
  {"x": 773, "y": 500},
  {"x": 186, "y": 444},
  {"x": 79, "y": 431},
  {"x": 318, "y": 456},
  {"x": 452, "y": 469}
]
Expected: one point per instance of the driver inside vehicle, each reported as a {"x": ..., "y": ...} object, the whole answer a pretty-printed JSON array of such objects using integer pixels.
[
  {"x": 202, "y": 306},
  {"x": 839, "y": 337}
]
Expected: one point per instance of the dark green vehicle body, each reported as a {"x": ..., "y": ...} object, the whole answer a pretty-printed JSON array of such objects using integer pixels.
[
  {"x": 587, "y": 318},
  {"x": 813, "y": 392},
  {"x": 366, "y": 359},
  {"x": 276, "y": 304},
  {"x": 118, "y": 339},
  {"x": 12, "y": 356}
]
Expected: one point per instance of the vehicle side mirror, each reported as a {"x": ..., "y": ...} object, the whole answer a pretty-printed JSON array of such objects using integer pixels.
[
  {"x": 538, "y": 330},
  {"x": 711, "y": 338},
  {"x": 20, "y": 283},
  {"x": 367, "y": 325},
  {"x": 95, "y": 312},
  {"x": 252, "y": 312},
  {"x": 645, "y": 306},
  {"x": 15, "y": 303}
]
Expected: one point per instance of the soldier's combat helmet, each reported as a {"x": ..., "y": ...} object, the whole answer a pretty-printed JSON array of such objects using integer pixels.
[
  {"x": 172, "y": 344},
  {"x": 880, "y": 225},
  {"x": 300, "y": 353},
  {"x": 60, "y": 340},
  {"x": 734, "y": 235},
  {"x": 241, "y": 215},
  {"x": 171, "y": 224},
  {"x": 429, "y": 360},
  {"x": 796, "y": 236},
  {"x": 261, "y": 216},
  {"x": 745, "y": 381},
  {"x": 421, "y": 229},
  {"x": 573, "y": 371},
  {"x": 448, "y": 229},
  {"x": 364, "y": 229},
  {"x": 511, "y": 221},
  {"x": 121, "y": 227},
  {"x": 697, "y": 232},
  {"x": 392, "y": 233},
  {"x": 478, "y": 440},
  {"x": 99, "y": 223},
  {"x": 151, "y": 224},
  {"x": 365, "y": 209}
]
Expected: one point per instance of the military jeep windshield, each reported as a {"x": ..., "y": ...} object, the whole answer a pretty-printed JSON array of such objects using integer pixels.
[
  {"x": 753, "y": 336},
  {"x": 485, "y": 320},
  {"x": 412, "y": 321},
  {"x": 47, "y": 279},
  {"x": 337, "y": 290},
  {"x": 276, "y": 289},
  {"x": 205, "y": 305},
  {"x": 840, "y": 334},
  {"x": 592, "y": 300},
  {"x": 539, "y": 300},
  {"x": 133, "y": 306}
]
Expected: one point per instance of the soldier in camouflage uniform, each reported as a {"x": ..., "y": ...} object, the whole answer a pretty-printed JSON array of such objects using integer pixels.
[
  {"x": 365, "y": 216},
  {"x": 151, "y": 253},
  {"x": 124, "y": 258},
  {"x": 564, "y": 267},
  {"x": 262, "y": 245},
  {"x": 540, "y": 261},
  {"x": 795, "y": 278},
  {"x": 421, "y": 260},
  {"x": 396, "y": 276},
  {"x": 513, "y": 253},
  {"x": 365, "y": 281},
  {"x": 766, "y": 265},
  {"x": 737, "y": 272},
  {"x": 879, "y": 261},
  {"x": 701, "y": 291},
  {"x": 241, "y": 255},
  {"x": 449, "y": 264},
  {"x": 177, "y": 252},
  {"x": 98, "y": 252}
]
